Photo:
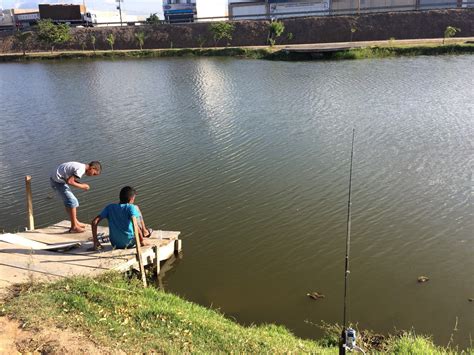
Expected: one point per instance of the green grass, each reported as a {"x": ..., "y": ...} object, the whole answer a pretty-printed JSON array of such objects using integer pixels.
[
  {"x": 119, "y": 313},
  {"x": 377, "y": 52},
  {"x": 255, "y": 53},
  {"x": 154, "y": 53},
  {"x": 398, "y": 51}
]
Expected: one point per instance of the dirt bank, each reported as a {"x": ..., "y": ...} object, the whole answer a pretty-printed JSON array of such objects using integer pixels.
[
  {"x": 14, "y": 338},
  {"x": 383, "y": 26}
]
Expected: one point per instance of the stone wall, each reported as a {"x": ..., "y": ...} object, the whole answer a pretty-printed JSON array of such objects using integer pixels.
[{"x": 381, "y": 26}]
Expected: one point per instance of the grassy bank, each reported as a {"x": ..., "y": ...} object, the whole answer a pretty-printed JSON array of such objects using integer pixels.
[
  {"x": 118, "y": 313},
  {"x": 256, "y": 53},
  {"x": 376, "y": 52}
]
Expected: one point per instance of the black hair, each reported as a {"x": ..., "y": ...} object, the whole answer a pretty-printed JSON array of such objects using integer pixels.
[
  {"x": 126, "y": 194},
  {"x": 96, "y": 165}
]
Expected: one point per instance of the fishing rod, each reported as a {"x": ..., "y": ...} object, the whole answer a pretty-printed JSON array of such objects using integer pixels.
[{"x": 348, "y": 336}]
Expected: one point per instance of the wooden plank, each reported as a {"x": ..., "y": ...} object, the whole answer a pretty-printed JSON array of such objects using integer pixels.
[
  {"x": 51, "y": 239},
  {"x": 16, "y": 239},
  {"x": 26, "y": 264},
  {"x": 81, "y": 261}
]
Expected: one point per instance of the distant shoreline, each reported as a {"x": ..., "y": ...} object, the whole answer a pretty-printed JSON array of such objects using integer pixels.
[{"x": 379, "y": 50}]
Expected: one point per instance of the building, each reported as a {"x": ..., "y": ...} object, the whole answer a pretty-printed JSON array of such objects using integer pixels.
[
  {"x": 212, "y": 10},
  {"x": 261, "y": 9},
  {"x": 18, "y": 18},
  {"x": 179, "y": 10},
  {"x": 7, "y": 21},
  {"x": 26, "y": 18},
  {"x": 267, "y": 9}
]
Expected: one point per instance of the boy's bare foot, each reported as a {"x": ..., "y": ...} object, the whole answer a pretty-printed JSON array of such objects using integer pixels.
[
  {"x": 81, "y": 225},
  {"x": 77, "y": 230}
]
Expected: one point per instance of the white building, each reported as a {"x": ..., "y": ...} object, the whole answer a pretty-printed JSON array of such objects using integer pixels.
[
  {"x": 261, "y": 9},
  {"x": 216, "y": 10}
]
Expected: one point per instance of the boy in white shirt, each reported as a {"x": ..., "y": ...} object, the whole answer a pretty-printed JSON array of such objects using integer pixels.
[{"x": 65, "y": 175}]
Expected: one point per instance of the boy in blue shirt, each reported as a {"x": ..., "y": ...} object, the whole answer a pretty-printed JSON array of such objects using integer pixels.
[{"x": 121, "y": 218}]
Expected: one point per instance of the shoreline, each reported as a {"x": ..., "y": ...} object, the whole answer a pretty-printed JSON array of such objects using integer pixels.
[
  {"x": 134, "y": 319},
  {"x": 350, "y": 51}
]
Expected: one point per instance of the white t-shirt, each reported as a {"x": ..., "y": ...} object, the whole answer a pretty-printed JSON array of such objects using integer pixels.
[{"x": 66, "y": 170}]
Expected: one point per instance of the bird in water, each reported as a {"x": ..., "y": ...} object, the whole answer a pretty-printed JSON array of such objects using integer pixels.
[
  {"x": 315, "y": 295},
  {"x": 422, "y": 279}
]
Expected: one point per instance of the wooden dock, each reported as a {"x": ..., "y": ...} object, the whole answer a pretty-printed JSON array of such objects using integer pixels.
[{"x": 27, "y": 256}]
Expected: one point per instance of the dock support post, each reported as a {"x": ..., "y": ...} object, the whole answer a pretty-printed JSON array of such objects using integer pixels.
[
  {"x": 139, "y": 251},
  {"x": 29, "y": 203},
  {"x": 178, "y": 245},
  {"x": 156, "y": 264}
]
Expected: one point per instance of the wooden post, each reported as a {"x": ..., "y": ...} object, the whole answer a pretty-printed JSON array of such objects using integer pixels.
[
  {"x": 29, "y": 203},
  {"x": 139, "y": 251},
  {"x": 156, "y": 264},
  {"x": 178, "y": 246}
]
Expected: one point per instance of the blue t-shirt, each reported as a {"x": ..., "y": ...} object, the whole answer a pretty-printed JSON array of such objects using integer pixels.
[{"x": 120, "y": 216}]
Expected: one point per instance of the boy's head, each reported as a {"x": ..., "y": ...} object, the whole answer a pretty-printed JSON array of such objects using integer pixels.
[
  {"x": 127, "y": 194},
  {"x": 93, "y": 168}
]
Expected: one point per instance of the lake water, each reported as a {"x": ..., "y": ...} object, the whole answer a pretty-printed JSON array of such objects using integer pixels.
[{"x": 250, "y": 160}]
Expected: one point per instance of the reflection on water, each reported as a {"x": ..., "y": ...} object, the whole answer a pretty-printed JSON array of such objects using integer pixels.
[{"x": 250, "y": 160}]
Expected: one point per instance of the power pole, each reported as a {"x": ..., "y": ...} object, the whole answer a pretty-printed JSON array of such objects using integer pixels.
[{"x": 119, "y": 7}]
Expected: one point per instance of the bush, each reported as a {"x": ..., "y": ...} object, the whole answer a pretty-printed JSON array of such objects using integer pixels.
[
  {"x": 153, "y": 19},
  {"x": 140, "y": 36},
  {"x": 53, "y": 34},
  {"x": 449, "y": 32},
  {"x": 111, "y": 40},
  {"x": 93, "y": 40},
  {"x": 275, "y": 30},
  {"x": 222, "y": 30},
  {"x": 22, "y": 38}
]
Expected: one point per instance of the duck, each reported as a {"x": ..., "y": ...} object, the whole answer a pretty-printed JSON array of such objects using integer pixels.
[
  {"x": 315, "y": 295},
  {"x": 422, "y": 279}
]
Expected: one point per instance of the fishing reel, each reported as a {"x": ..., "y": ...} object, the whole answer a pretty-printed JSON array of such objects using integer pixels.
[{"x": 348, "y": 341}]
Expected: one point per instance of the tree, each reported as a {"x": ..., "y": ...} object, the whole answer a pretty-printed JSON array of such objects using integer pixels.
[
  {"x": 111, "y": 40},
  {"x": 52, "y": 34},
  {"x": 153, "y": 19},
  {"x": 140, "y": 36},
  {"x": 93, "y": 40},
  {"x": 22, "y": 38},
  {"x": 449, "y": 32},
  {"x": 201, "y": 41},
  {"x": 222, "y": 30},
  {"x": 353, "y": 30},
  {"x": 275, "y": 30}
]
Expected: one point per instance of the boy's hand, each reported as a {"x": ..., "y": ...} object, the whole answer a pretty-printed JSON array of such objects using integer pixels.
[
  {"x": 96, "y": 247},
  {"x": 86, "y": 187}
]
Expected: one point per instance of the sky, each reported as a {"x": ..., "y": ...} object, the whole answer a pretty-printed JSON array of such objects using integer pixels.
[{"x": 131, "y": 7}]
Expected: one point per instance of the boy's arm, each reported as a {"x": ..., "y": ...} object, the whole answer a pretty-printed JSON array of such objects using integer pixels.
[
  {"x": 94, "y": 224},
  {"x": 72, "y": 181}
]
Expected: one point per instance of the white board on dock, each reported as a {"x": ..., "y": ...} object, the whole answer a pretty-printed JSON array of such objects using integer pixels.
[{"x": 25, "y": 242}]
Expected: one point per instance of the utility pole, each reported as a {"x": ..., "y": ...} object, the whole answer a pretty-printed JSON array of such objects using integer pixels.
[{"x": 119, "y": 7}]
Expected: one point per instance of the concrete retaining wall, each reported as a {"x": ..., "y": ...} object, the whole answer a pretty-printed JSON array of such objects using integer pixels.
[{"x": 382, "y": 26}]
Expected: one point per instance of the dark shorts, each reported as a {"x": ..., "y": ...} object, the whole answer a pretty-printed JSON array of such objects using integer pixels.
[{"x": 65, "y": 193}]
